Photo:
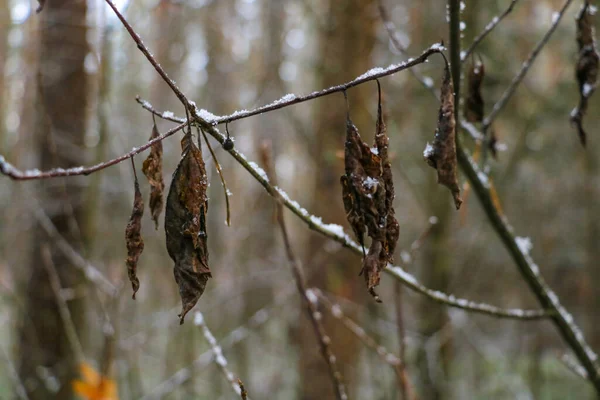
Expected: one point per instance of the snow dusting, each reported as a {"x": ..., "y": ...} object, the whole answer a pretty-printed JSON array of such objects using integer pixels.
[
  {"x": 372, "y": 72},
  {"x": 259, "y": 170},
  {"x": 312, "y": 297},
  {"x": 428, "y": 152},
  {"x": 370, "y": 183},
  {"x": 524, "y": 244},
  {"x": 438, "y": 46},
  {"x": 207, "y": 115}
]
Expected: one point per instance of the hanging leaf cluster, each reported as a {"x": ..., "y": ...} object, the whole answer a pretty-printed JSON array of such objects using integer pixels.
[
  {"x": 587, "y": 66},
  {"x": 441, "y": 155},
  {"x": 368, "y": 194},
  {"x": 185, "y": 218},
  {"x": 185, "y": 225}
]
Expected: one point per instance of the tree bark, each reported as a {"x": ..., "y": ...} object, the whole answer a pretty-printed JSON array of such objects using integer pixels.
[{"x": 47, "y": 363}]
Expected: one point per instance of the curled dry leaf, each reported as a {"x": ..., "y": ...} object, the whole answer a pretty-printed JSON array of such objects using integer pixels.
[
  {"x": 133, "y": 237},
  {"x": 587, "y": 66},
  {"x": 185, "y": 225},
  {"x": 442, "y": 154},
  {"x": 368, "y": 194},
  {"x": 152, "y": 168},
  {"x": 474, "y": 104}
]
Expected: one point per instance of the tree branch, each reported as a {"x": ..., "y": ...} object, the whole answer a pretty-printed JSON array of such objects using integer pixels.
[
  {"x": 217, "y": 351},
  {"x": 309, "y": 297},
  {"x": 567, "y": 328},
  {"x": 488, "y": 28},
  {"x": 9, "y": 170},
  {"x": 510, "y": 90}
]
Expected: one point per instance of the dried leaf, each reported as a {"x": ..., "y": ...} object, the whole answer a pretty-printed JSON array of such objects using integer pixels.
[
  {"x": 474, "y": 104},
  {"x": 185, "y": 225},
  {"x": 368, "y": 195},
  {"x": 152, "y": 168},
  {"x": 442, "y": 154},
  {"x": 586, "y": 68},
  {"x": 133, "y": 237}
]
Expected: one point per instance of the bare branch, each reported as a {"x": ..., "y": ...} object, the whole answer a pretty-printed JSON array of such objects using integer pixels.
[
  {"x": 563, "y": 320},
  {"x": 234, "y": 337},
  {"x": 427, "y": 82},
  {"x": 310, "y": 297},
  {"x": 90, "y": 272},
  {"x": 9, "y": 170},
  {"x": 63, "y": 308},
  {"x": 291, "y": 99},
  {"x": 217, "y": 351},
  {"x": 386, "y": 356},
  {"x": 140, "y": 44},
  {"x": 510, "y": 90},
  {"x": 488, "y": 28}
]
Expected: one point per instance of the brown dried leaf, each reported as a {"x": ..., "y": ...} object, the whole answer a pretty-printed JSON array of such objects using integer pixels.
[
  {"x": 133, "y": 237},
  {"x": 442, "y": 154},
  {"x": 368, "y": 194},
  {"x": 586, "y": 68},
  {"x": 185, "y": 225},
  {"x": 152, "y": 168},
  {"x": 474, "y": 104}
]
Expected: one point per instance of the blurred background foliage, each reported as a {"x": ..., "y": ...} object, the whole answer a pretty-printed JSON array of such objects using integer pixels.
[{"x": 72, "y": 73}]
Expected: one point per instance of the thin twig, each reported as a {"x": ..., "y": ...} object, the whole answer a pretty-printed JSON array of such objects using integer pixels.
[
  {"x": 427, "y": 82},
  {"x": 510, "y": 90},
  {"x": 562, "y": 319},
  {"x": 140, "y": 44},
  {"x": 291, "y": 99},
  {"x": 202, "y": 117},
  {"x": 220, "y": 171},
  {"x": 573, "y": 366},
  {"x": 310, "y": 298},
  {"x": 90, "y": 272},
  {"x": 217, "y": 351},
  {"x": 243, "y": 391},
  {"x": 386, "y": 356},
  {"x": 486, "y": 31},
  {"x": 63, "y": 308},
  {"x": 19, "y": 388},
  {"x": 237, "y": 335},
  {"x": 11, "y": 171}
]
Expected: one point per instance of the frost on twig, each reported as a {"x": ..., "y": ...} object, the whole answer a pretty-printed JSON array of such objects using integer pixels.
[{"x": 217, "y": 351}]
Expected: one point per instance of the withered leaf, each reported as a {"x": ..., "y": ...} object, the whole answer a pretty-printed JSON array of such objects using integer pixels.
[
  {"x": 442, "y": 154},
  {"x": 368, "y": 194},
  {"x": 185, "y": 225},
  {"x": 587, "y": 67},
  {"x": 133, "y": 237},
  {"x": 474, "y": 104},
  {"x": 152, "y": 168}
]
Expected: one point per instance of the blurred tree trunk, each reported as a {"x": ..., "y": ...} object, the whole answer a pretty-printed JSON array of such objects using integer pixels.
[
  {"x": 5, "y": 24},
  {"x": 346, "y": 41},
  {"x": 47, "y": 363}
]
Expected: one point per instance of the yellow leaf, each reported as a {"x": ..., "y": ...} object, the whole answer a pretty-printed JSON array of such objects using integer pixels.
[{"x": 94, "y": 386}]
